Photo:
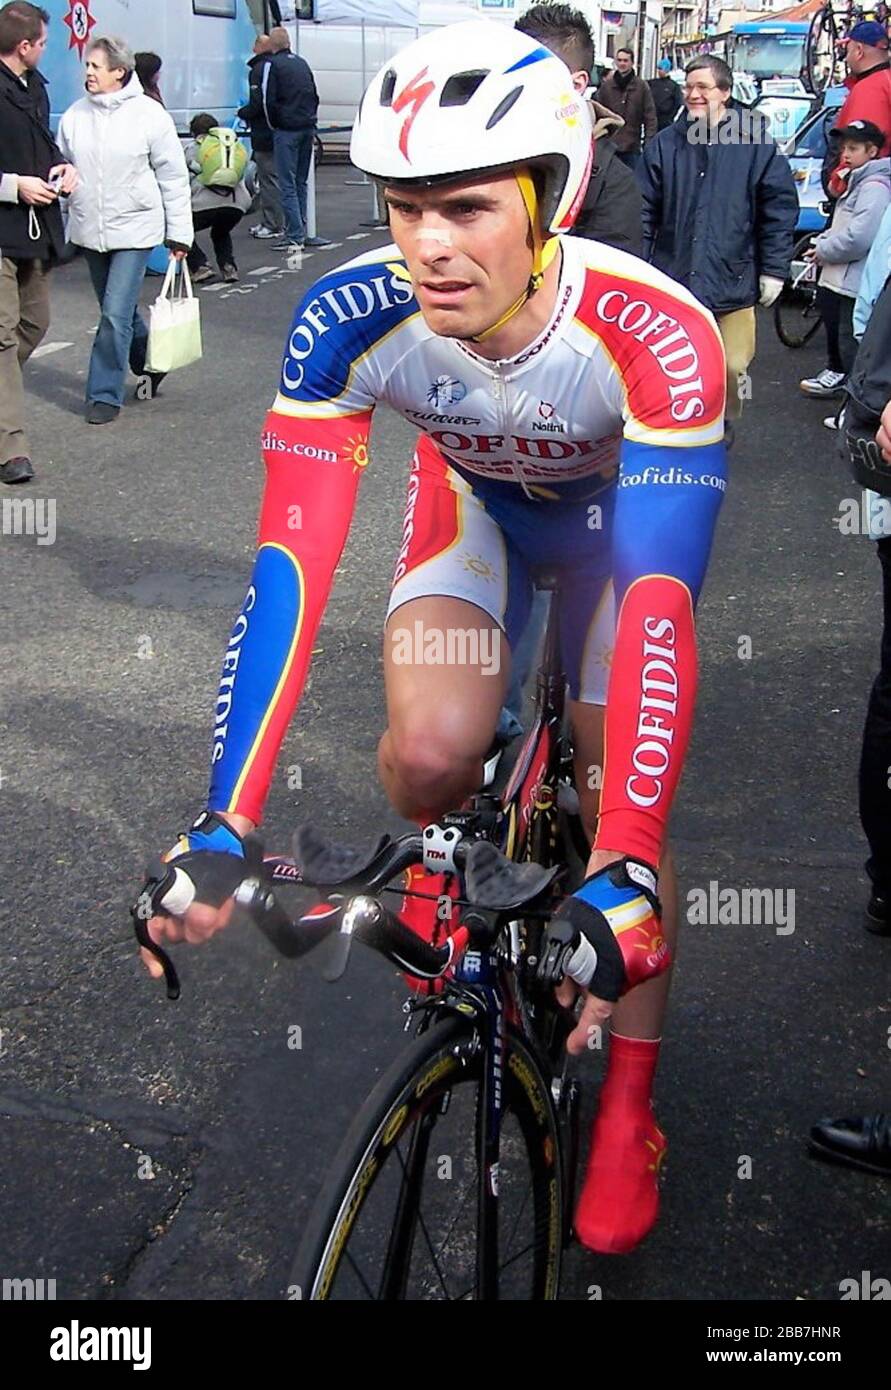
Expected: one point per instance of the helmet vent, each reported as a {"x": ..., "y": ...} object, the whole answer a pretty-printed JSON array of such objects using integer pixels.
[
  {"x": 388, "y": 86},
  {"x": 503, "y": 107},
  {"x": 461, "y": 87}
]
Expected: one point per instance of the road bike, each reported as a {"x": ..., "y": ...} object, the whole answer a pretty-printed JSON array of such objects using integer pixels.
[
  {"x": 457, "y": 1176},
  {"x": 825, "y": 45}
]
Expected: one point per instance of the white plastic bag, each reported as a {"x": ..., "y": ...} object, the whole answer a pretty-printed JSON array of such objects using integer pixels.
[{"x": 174, "y": 324}]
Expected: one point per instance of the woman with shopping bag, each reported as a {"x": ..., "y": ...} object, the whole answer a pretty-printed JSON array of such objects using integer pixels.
[{"x": 134, "y": 193}]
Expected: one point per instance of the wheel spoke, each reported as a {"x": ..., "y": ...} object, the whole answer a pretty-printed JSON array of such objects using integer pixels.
[
  {"x": 423, "y": 1225},
  {"x": 360, "y": 1276},
  {"x": 507, "y": 1264}
]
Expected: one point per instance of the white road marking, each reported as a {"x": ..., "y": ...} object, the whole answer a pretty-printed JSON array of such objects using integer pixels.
[
  {"x": 46, "y": 349},
  {"x": 263, "y": 270},
  {"x": 212, "y": 289},
  {"x": 357, "y": 236}
]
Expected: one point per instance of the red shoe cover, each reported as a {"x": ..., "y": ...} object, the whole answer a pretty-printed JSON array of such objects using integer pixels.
[{"x": 619, "y": 1201}]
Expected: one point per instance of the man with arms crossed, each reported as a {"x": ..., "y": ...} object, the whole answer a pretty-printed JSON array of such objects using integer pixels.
[{"x": 482, "y": 325}]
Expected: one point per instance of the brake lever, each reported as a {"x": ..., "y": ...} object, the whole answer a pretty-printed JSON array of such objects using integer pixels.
[
  {"x": 162, "y": 877},
  {"x": 159, "y": 881}
]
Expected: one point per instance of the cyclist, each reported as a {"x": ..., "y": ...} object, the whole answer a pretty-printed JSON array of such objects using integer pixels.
[{"x": 570, "y": 403}]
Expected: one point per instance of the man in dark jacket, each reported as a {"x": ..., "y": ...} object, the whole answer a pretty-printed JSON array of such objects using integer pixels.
[
  {"x": 272, "y": 221},
  {"x": 31, "y": 232},
  {"x": 630, "y": 97},
  {"x": 666, "y": 95},
  {"x": 611, "y": 209},
  {"x": 719, "y": 212},
  {"x": 290, "y": 103}
]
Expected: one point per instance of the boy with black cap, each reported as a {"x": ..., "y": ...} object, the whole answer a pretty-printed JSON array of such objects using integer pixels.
[{"x": 863, "y": 180}]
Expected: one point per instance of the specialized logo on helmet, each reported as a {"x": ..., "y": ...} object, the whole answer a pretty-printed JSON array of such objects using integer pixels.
[
  {"x": 412, "y": 95},
  {"x": 446, "y": 390}
]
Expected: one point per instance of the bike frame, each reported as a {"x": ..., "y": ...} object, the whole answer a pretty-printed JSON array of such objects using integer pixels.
[{"x": 485, "y": 981}]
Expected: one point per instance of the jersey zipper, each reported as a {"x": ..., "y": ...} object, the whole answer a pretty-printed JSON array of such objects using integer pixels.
[{"x": 501, "y": 395}]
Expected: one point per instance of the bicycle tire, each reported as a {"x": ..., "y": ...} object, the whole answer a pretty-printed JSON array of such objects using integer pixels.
[
  {"x": 434, "y": 1066},
  {"x": 789, "y": 303},
  {"x": 821, "y": 45}
]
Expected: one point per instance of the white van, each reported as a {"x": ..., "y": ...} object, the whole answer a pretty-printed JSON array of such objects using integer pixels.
[{"x": 345, "y": 57}]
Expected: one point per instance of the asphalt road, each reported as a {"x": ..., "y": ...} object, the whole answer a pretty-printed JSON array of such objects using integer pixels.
[{"x": 170, "y": 1151}]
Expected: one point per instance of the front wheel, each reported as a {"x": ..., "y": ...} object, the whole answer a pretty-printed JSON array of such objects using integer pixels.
[
  {"x": 796, "y": 314},
  {"x": 397, "y": 1216}
]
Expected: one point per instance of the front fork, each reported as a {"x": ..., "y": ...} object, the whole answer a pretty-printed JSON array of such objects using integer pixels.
[{"x": 569, "y": 1106}]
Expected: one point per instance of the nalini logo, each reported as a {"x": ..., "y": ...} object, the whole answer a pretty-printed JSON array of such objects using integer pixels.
[
  {"x": 446, "y": 390},
  {"x": 547, "y": 423}
]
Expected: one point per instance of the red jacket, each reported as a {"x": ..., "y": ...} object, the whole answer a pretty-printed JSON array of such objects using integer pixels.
[{"x": 869, "y": 99}]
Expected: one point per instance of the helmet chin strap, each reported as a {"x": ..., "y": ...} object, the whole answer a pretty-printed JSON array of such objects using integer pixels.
[{"x": 542, "y": 254}]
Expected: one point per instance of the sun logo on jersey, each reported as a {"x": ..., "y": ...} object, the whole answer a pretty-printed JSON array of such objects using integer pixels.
[
  {"x": 478, "y": 566},
  {"x": 413, "y": 95},
  {"x": 80, "y": 22},
  {"x": 355, "y": 451},
  {"x": 603, "y": 656}
]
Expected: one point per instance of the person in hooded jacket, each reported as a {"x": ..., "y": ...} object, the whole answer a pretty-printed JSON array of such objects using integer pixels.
[
  {"x": 611, "y": 208},
  {"x": 842, "y": 250},
  {"x": 134, "y": 194},
  {"x": 610, "y": 211}
]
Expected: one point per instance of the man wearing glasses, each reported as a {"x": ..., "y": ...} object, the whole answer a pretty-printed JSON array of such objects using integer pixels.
[{"x": 719, "y": 212}]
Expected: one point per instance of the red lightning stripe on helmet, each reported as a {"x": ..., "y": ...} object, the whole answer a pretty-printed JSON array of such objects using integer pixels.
[{"x": 414, "y": 96}]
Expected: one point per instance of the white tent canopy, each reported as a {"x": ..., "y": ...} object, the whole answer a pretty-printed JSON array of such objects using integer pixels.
[{"x": 402, "y": 12}]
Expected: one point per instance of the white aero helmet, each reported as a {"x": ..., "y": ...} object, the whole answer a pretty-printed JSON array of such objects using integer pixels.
[{"x": 472, "y": 98}]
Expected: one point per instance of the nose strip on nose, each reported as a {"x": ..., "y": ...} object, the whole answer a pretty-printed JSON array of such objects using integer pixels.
[{"x": 435, "y": 234}]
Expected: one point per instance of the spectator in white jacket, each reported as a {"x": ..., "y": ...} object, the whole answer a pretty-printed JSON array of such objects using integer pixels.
[{"x": 133, "y": 195}]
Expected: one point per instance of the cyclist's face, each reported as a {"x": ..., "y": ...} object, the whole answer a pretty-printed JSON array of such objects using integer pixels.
[{"x": 467, "y": 249}]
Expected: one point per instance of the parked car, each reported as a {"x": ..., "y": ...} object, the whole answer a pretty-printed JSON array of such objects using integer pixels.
[
  {"x": 806, "y": 151},
  {"x": 785, "y": 114}
]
